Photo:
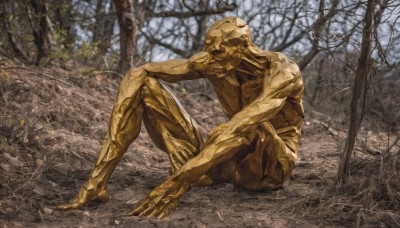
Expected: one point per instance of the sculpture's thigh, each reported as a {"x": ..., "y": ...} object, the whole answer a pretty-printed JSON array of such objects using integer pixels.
[
  {"x": 269, "y": 165},
  {"x": 168, "y": 124}
]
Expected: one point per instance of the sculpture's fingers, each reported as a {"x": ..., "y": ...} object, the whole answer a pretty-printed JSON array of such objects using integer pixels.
[
  {"x": 146, "y": 211},
  {"x": 162, "y": 215},
  {"x": 191, "y": 154},
  {"x": 174, "y": 167},
  {"x": 179, "y": 158},
  {"x": 154, "y": 212},
  {"x": 166, "y": 210},
  {"x": 174, "y": 163},
  {"x": 134, "y": 212},
  {"x": 141, "y": 205},
  {"x": 185, "y": 154}
]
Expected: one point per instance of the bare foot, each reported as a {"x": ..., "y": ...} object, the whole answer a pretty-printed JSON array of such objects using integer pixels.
[
  {"x": 204, "y": 180},
  {"x": 83, "y": 197}
]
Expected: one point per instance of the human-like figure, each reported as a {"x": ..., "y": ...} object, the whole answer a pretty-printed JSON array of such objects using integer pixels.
[{"x": 260, "y": 92}]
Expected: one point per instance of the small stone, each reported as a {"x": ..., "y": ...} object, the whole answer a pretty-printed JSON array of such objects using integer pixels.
[{"x": 47, "y": 210}]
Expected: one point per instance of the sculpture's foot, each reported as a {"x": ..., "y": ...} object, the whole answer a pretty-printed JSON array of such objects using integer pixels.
[
  {"x": 83, "y": 197},
  {"x": 162, "y": 200},
  {"x": 204, "y": 180}
]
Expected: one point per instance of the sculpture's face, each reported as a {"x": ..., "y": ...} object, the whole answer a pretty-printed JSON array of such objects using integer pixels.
[
  {"x": 224, "y": 58},
  {"x": 225, "y": 42}
]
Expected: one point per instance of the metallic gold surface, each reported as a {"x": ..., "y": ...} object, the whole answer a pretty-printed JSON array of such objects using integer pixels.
[{"x": 261, "y": 93}]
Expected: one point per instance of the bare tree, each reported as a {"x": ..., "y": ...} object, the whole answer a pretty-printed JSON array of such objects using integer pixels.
[
  {"x": 358, "y": 102},
  {"x": 104, "y": 26},
  {"x": 41, "y": 28},
  {"x": 128, "y": 29},
  {"x": 6, "y": 17}
]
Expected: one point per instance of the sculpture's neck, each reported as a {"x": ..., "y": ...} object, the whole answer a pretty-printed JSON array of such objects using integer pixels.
[{"x": 254, "y": 62}]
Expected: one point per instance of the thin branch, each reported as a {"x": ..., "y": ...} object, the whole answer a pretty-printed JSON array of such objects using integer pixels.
[
  {"x": 187, "y": 14},
  {"x": 168, "y": 46}
]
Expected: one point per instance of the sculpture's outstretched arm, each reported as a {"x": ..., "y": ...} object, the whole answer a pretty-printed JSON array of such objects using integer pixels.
[
  {"x": 176, "y": 70},
  {"x": 279, "y": 83}
]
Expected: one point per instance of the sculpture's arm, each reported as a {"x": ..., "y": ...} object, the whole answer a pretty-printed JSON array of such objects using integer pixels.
[
  {"x": 222, "y": 142},
  {"x": 282, "y": 79},
  {"x": 176, "y": 70},
  {"x": 280, "y": 82}
]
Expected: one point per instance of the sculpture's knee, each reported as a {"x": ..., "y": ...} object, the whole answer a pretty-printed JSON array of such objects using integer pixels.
[
  {"x": 152, "y": 84},
  {"x": 288, "y": 162},
  {"x": 133, "y": 81}
]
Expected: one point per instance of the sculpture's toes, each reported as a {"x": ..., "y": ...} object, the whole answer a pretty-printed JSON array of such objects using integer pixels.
[
  {"x": 73, "y": 204},
  {"x": 83, "y": 197}
]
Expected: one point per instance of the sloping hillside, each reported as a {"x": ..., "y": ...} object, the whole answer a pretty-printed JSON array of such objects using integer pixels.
[{"x": 53, "y": 120}]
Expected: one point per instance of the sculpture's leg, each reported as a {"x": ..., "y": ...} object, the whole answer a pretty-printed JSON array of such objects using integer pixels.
[
  {"x": 169, "y": 125},
  {"x": 123, "y": 129},
  {"x": 167, "y": 122},
  {"x": 264, "y": 167},
  {"x": 270, "y": 164}
]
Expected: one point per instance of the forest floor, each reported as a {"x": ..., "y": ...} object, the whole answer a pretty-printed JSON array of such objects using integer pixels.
[{"x": 51, "y": 131}]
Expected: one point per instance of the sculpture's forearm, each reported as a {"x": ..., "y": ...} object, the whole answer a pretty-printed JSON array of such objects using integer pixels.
[
  {"x": 240, "y": 130},
  {"x": 247, "y": 120},
  {"x": 221, "y": 149},
  {"x": 177, "y": 69},
  {"x": 279, "y": 84}
]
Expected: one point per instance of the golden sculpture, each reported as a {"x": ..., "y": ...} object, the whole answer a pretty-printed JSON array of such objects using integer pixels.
[{"x": 261, "y": 93}]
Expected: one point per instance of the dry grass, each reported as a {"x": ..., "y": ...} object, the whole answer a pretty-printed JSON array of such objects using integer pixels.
[{"x": 50, "y": 134}]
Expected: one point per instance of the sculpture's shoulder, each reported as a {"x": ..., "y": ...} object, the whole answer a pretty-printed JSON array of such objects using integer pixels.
[
  {"x": 280, "y": 60},
  {"x": 276, "y": 56},
  {"x": 281, "y": 69}
]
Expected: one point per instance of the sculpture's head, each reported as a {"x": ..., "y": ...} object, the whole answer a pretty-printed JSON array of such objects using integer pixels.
[{"x": 226, "y": 41}]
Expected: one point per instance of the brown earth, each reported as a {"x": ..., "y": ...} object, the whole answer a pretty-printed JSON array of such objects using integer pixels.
[{"x": 51, "y": 132}]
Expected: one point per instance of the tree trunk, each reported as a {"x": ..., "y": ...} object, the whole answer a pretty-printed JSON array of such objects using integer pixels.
[
  {"x": 63, "y": 12},
  {"x": 104, "y": 26},
  {"x": 6, "y": 12},
  {"x": 359, "y": 93},
  {"x": 128, "y": 30},
  {"x": 41, "y": 29},
  {"x": 318, "y": 81}
]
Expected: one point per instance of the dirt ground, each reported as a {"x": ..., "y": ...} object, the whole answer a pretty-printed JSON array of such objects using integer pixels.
[{"x": 51, "y": 132}]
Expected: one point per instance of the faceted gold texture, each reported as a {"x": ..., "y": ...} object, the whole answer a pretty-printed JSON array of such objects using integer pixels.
[{"x": 260, "y": 92}]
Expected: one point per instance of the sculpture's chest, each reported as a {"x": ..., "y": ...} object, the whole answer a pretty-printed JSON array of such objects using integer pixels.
[{"x": 234, "y": 92}]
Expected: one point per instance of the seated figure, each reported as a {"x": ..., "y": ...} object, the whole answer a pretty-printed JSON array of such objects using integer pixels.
[{"x": 261, "y": 94}]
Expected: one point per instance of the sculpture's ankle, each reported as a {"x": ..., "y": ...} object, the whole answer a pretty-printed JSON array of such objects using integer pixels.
[
  {"x": 103, "y": 195},
  {"x": 95, "y": 190}
]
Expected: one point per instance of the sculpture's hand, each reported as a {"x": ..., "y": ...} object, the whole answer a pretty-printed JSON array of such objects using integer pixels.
[
  {"x": 83, "y": 197},
  {"x": 180, "y": 152},
  {"x": 179, "y": 158},
  {"x": 162, "y": 200}
]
